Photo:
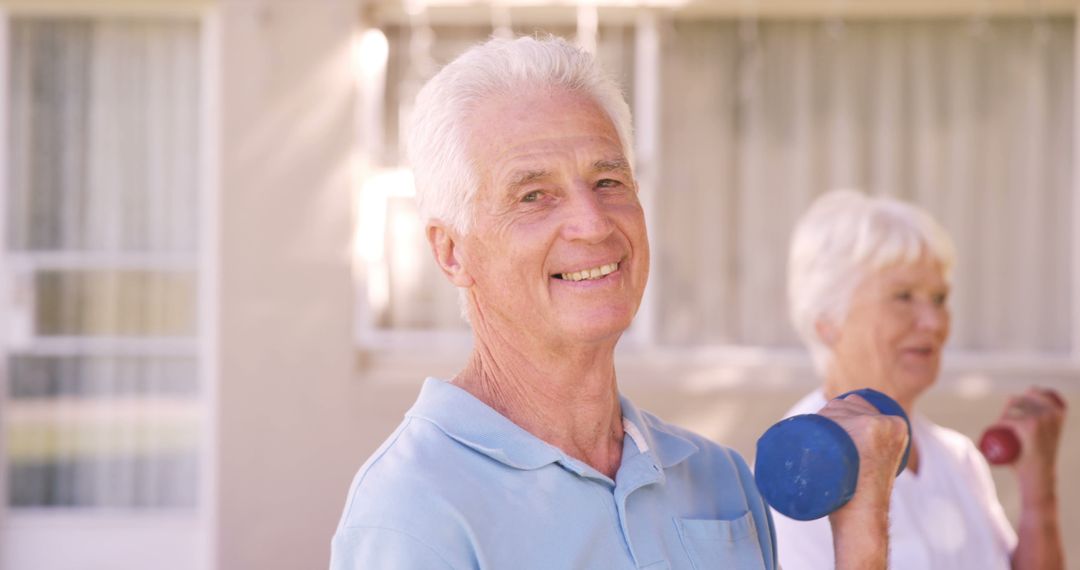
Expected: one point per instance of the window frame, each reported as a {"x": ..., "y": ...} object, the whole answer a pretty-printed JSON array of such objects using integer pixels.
[{"x": 201, "y": 521}]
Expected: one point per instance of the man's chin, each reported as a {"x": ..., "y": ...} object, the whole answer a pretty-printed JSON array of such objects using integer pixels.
[{"x": 598, "y": 330}]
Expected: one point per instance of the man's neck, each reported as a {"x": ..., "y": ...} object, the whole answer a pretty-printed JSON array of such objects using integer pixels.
[{"x": 571, "y": 403}]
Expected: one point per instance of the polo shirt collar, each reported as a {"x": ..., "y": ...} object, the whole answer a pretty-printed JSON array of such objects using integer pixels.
[
  {"x": 663, "y": 442},
  {"x": 476, "y": 425}
]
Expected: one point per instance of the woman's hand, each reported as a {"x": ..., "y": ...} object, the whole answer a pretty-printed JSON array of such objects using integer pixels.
[{"x": 1036, "y": 417}]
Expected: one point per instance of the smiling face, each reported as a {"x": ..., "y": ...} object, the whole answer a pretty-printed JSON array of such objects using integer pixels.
[
  {"x": 557, "y": 251},
  {"x": 894, "y": 331}
]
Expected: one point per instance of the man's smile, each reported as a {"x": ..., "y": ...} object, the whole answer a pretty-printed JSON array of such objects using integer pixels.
[{"x": 585, "y": 274}]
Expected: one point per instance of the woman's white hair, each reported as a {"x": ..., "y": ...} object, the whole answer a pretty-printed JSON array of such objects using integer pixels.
[
  {"x": 446, "y": 177},
  {"x": 844, "y": 236}
]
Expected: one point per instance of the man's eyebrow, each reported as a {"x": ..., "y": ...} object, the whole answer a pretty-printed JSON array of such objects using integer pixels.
[
  {"x": 525, "y": 177},
  {"x": 612, "y": 165}
]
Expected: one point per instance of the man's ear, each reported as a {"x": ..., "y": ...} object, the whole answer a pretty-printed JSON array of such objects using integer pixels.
[
  {"x": 444, "y": 246},
  {"x": 827, "y": 331}
]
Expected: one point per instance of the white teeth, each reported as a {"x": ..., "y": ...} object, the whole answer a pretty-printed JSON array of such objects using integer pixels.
[{"x": 594, "y": 273}]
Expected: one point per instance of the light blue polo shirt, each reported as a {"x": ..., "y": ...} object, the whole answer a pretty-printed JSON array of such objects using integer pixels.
[{"x": 458, "y": 485}]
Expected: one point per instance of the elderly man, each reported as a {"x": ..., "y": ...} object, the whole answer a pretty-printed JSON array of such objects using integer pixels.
[{"x": 529, "y": 457}]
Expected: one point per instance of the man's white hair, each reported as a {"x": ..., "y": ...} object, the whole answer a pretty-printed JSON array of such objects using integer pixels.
[
  {"x": 446, "y": 177},
  {"x": 843, "y": 237}
]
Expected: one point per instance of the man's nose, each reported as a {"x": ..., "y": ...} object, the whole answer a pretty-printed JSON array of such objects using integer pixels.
[{"x": 587, "y": 218}]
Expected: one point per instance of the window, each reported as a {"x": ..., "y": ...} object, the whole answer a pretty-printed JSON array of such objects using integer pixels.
[
  {"x": 913, "y": 109},
  {"x": 104, "y": 400},
  {"x": 970, "y": 117}
]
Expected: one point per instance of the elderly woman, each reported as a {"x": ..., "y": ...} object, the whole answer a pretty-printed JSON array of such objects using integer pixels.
[{"x": 868, "y": 290}]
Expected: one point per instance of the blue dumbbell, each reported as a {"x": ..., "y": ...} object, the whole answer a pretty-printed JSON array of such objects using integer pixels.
[{"x": 807, "y": 465}]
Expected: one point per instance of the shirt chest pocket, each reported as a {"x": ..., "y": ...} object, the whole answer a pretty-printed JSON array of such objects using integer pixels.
[{"x": 721, "y": 543}]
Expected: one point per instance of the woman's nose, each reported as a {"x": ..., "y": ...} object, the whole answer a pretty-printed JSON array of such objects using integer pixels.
[{"x": 932, "y": 316}]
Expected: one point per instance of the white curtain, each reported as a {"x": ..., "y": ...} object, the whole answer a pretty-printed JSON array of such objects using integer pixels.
[
  {"x": 102, "y": 216},
  {"x": 971, "y": 119}
]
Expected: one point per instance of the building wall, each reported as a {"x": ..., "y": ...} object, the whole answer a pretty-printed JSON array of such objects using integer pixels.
[{"x": 289, "y": 406}]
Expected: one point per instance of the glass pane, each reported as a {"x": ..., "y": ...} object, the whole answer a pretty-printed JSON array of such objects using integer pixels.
[
  {"x": 102, "y": 431},
  {"x": 63, "y": 466},
  {"x": 103, "y": 137},
  {"x": 977, "y": 128},
  {"x": 99, "y": 377},
  {"x": 145, "y": 303},
  {"x": 102, "y": 200},
  {"x": 419, "y": 297}
]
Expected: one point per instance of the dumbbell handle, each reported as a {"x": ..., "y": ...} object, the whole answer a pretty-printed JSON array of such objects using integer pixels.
[{"x": 999, "y": 443}]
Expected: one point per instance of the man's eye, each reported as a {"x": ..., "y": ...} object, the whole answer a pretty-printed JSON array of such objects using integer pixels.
[
  {"x": 608, "y": 183},
  {"x": 903, "y": 296},
  {"x": 531, "y": 196},
  {"x": 940, "y": 299}
]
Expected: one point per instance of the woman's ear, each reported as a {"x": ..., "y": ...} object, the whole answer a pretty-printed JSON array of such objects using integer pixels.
[
  {"x": 444, "y": 246},
  {"x": 827, "y": 331}
]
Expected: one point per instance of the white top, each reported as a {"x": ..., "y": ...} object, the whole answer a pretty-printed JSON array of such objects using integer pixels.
[{"x": 948, "y": 516}]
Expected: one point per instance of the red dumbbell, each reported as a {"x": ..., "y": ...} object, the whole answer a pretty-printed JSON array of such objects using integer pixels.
[{"x": 1000, "y": 445}]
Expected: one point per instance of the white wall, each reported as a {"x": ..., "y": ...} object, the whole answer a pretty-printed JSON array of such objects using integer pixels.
[{"x": 288, "y": 394}]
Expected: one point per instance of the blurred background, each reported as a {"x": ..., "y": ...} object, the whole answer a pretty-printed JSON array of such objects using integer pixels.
[{"x": 216, "y": 300}]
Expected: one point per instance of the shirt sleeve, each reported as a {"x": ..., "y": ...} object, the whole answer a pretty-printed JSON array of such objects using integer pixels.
[{"x": 360, "y": 548}]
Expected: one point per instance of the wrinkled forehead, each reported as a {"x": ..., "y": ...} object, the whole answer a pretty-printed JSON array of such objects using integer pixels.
[{"x": 510, "y": 126}]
